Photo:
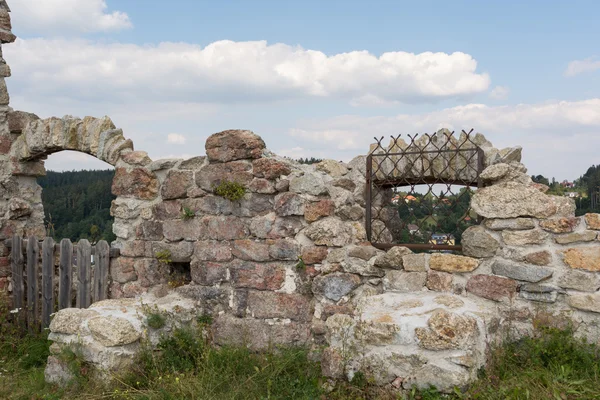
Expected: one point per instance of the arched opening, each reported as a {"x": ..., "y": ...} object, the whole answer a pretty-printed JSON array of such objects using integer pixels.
[
  {"x": 76, "y": 197},
  {"x": 85, "y": 144}
]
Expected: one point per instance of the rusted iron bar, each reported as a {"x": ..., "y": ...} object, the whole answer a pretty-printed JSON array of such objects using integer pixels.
[
  {"x": 418, "y": 246},
  {"x": 425, "y": 152},
  {"x": 369, "y": 194},
  {"x": 400, "y": 182}
]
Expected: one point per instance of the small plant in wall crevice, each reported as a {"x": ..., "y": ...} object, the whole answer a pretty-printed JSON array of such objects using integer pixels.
[
  {"x": 300, "y": 265},
  {"x": 187, "y": 214},
  {"x": 163, "y": 257},
  {"x": 155, "y": 320},
  {"x": 229, "y": 190}
]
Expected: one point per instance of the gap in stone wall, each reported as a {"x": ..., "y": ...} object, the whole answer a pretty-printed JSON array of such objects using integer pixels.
[
  {"x": 76, "y": 197},
  {"x": 180, "y": 273},
  {"x": 422, "y": 214}
]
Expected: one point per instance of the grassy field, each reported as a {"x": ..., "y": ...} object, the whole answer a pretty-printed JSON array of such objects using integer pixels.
[{"x": 550, "y": 365}]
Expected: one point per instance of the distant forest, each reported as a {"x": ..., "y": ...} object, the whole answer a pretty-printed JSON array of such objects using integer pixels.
[
  {"x": 307, "y": 160},
  {"x": 77, "y": 204}
]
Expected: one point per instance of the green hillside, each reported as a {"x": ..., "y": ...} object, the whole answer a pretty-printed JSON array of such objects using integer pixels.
[{"x": 77, "y": 204}]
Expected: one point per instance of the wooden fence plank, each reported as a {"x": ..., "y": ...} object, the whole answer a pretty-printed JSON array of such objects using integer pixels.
[
  {"x": 114, "y": 252},
  {"x": 33, "y": 254},
  {"x": 101, "y": 260},
  {"x": 84, "y": 255},
  {"x": 17, "y": 273},
  {"x": 47, "y": 281},
  {"x": 65, "y": 274}
]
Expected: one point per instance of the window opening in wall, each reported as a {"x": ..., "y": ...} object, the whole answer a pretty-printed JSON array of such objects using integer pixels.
[
  {"x": 76, "y": 195},
  {"x": 419, "y": 193}
]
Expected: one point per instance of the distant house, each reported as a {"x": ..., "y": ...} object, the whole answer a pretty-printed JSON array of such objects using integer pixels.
[
  {"x": 568, "y": 184},
  {"x": 442, "y": 238},
  {"x": 407, "y": 199},
  {"x": 413, "y": 229}
]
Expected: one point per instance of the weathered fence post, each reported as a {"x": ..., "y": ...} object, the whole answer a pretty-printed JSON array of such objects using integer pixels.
[
  {"x": 47, "y": 281},
  {"x": 28, "y": 262},
  {"x": 17, "y": 273},
  {"x": 102, "y": 260},
  {"x": 33, "y": 254},
  {"x": 84, "y": 254},
  {"x": 65, "y": 271}
]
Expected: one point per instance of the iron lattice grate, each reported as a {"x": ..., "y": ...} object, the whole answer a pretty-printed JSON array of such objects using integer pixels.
[{"x": 418, "y": 193}]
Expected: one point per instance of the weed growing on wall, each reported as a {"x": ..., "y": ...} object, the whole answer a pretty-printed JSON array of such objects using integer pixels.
[
  {"x": 187, "y": 214},
  {"x": 230, "y": 190},
  {"x": 163, "y": 257},
  {"x": 204, "y": 319},
  {"x": 72, "y": 357},
  {"x": 300, "y": 265},
  {"x": 155, "y": 320}
]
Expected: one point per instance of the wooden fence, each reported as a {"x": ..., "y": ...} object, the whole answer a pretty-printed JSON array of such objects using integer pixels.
[{"x": 28, "y": 293}]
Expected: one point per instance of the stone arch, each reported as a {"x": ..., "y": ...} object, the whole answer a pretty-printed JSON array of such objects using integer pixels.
[
  {"x": 32, "y": 139},
  {"x": 38, "y": 138}
]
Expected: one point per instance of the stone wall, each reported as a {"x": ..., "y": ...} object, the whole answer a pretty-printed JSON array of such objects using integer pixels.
[
  {"x": 288, "y": 262},
  {"x": 531, "y": 262},
  {"x": 19, "y": 194}
]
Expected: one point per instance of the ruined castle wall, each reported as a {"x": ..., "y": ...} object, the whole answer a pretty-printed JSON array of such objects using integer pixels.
[
  {"x": 288, "y": 263},
  {"x": 17, "y": 192}
]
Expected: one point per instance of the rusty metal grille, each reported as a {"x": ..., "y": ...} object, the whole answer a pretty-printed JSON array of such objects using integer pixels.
[{"x": 418, "y": 193}]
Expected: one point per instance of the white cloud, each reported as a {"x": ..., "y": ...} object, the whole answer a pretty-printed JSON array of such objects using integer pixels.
[
  {"x": 72, "y": 160},
  {"x": 182, "y": 156},
  {"x": 343, "y": 139},
  {"x": 500, "y": 92},
  {"x": 559, "y": 138},
  {"x": 294, "y": 152},
  {"x": 228, "y": 72},
  {"x": 580, "y": 66},
  {"x": 175, "y": 138},
  {"x": 66, "y": 16}
]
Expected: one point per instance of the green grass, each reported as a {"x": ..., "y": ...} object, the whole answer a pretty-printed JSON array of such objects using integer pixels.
[{"x": 550, "y": 365}]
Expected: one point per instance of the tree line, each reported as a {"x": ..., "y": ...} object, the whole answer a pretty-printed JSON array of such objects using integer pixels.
[
  {"x": 77, "y": 204},
  {"x": 586, "y": 187}
]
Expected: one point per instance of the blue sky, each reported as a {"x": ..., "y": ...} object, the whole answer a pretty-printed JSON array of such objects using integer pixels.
[{"x": 522, "y": 73}]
